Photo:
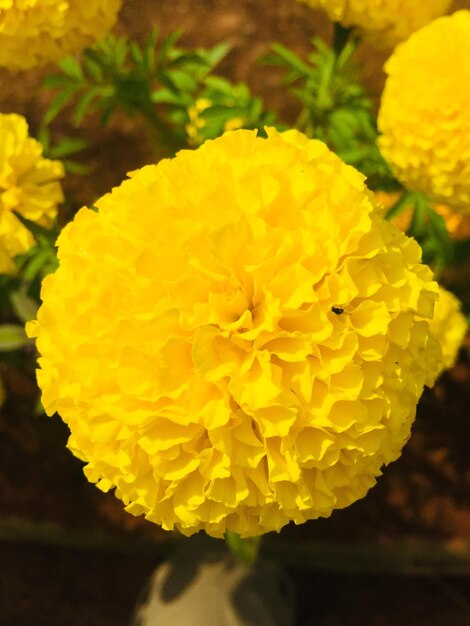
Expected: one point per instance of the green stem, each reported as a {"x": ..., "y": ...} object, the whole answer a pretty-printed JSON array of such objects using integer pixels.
[
  {"x": 340, "y": 38},
  {"x": 164, "y": 140},
  {"x": 245, "y": 550}
]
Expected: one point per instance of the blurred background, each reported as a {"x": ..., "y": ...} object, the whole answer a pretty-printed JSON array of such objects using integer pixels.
[{"x": 70, "y": 555}]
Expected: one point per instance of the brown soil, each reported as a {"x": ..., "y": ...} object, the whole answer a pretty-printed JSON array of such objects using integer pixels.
[{"x": 75, "y": 558}]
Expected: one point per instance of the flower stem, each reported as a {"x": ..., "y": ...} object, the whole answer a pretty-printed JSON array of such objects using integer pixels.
[
  {"x": 245, "y": 550},
  {"x": 340, "y": 38}
]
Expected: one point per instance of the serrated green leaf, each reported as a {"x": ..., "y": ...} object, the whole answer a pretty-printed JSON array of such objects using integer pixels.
[
  {"x": 149, "y": 51},
  {"x": 136, "y": 53},
  {"x": 71, "y": 67},
  {"x": 286, "y": 56},
  {"x": 12, "y": 337},
  {"x": 59, "y": 103},
  {"x": 167, "y": 46},
  {"x": 82, "y": 106},
  {"x": 58, "y": 80}
]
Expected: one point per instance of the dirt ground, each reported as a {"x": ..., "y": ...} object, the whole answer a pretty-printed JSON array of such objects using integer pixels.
[{"x": 69, "y": 555}]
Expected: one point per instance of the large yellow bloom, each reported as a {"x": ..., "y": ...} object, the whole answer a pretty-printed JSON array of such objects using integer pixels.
[
  {"x": 233, "y": 338},
  {"x": 449, "y": 326},
  {"x": 424, "y": 116},
  {"x": 36, "y": 32},
  {"x": 28, "y": 186},
  {"x": 387, "y": 22}
]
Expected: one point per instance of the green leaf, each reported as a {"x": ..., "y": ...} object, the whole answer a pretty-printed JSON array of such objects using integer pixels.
[
  {"x": 67, "y": 146},
  {"x": 136, "y": 53},
  {"x": 82, "y": 106},
  {"x": 441, "y": 235},
  {"x": 73, "y": 167},
  {"x": 25, "y": 307},
  {"x": 71, "y": 67},
  {"x": 217, "y": 53},
  {"x": 59, "y": 103},
  {"x": 35, "y": 265},
  {"x": 165, "y": 96},
  {"x": 58, "y": 80},
  {"x": 182, "y": 80},
  {"x": 403, "y": 201},
  {"x": 286, "y": 56},
  {"x": 167, "y": 46},
  {"x": 149, "y": 52},
  {"x": 12, "y": 337}
]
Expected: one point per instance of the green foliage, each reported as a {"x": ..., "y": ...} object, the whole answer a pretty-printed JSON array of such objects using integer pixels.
[
  {"x": 12, "y": 337},
  {"x": 335, "y": 107},
  {"x": 158, "y": 80},
  {"x": 63, "y": 149},
  {"x": 428, "y": 228}
]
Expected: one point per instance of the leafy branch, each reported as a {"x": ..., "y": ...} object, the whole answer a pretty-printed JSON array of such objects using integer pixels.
[
  {"x": 335, "y": 106},
  {"x": 159, "y": 81}
]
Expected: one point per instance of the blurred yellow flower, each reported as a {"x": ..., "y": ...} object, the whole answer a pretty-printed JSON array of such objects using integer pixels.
[
  {"x": 234, "y": 338},
  {"x": 234, "y": 123},
  {"x": 449, "y": 326},
  {"x": 28, "y": 187},
  {"x": 386, "y": 22},
  {"x": 196, "y": 122},
  {"x": 36, "y": 32},
  {"x": 424, "y": 115}
]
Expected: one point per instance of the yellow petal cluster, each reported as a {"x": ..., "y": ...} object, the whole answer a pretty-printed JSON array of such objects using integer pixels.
[
  {"x": 233, "y": 337},
  {"x": 29, "y": 187},
  {"x": 449, "y": 326},
  {"x": 424, "y": 115},
  {"x": 386, "y": 22},
  {"x": 36, "y": 32}
]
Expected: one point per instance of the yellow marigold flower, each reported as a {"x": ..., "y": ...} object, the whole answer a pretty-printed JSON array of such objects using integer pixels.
[
  {"x": 28, "y": 186},
  {"x": 233, "y": 338},
  {"x": 424, "y": 116},
  {"x": 386, "y": 22},
  {"x": 458, "y": 225},
  {"x": 36, "y": 32},
  {"x": 449, "y": 326}
]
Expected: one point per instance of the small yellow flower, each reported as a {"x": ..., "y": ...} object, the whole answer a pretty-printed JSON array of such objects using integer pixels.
[
  {"x": 234, "y": 123},
  {"x": 449, "y": 326},
  {"x": 36, "y": 32},
  {"x": 235, "y": 339},
  {"x": 386, "y": 22},
  {"x": 28, "y": 186},
  {"x": 424, "y": 115},
  {"x": 196, "y": 122}
]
